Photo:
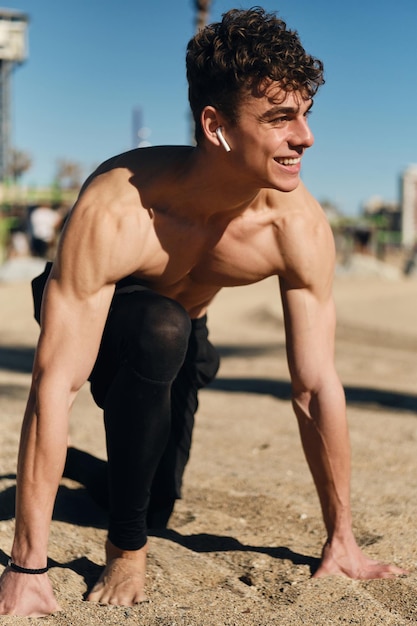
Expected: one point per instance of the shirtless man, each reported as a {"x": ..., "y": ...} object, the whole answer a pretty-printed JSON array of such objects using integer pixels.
[{"x": 169, "y": 227}]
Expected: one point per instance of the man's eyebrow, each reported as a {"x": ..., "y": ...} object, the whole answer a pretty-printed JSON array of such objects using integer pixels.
[
  {"x": 279, "y": 110},
  {"x": 282, "y": 110}
]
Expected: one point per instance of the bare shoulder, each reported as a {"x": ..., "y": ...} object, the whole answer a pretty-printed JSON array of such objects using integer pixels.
[
  {"x": 305, "y": 240},
  {"x": 102, "y": 236},
  {"x": 110, "y": 233}
]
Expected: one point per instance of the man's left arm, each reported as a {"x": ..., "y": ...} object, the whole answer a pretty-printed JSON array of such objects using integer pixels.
[{"x": 319, "y": 404}]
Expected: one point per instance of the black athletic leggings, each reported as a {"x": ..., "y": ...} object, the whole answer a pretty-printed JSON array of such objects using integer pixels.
[{"x": 151, "y": 363}]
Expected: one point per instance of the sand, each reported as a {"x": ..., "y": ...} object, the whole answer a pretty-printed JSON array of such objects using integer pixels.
[{"x": 243, "y": 541}]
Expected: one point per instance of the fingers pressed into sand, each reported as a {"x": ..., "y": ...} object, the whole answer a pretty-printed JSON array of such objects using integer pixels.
[
  {"x": 354, "y": 564},
  {"x": 26, "y": 595},
  {"x": 371, "y": 571},
  {"x": 122, "y": 582}
]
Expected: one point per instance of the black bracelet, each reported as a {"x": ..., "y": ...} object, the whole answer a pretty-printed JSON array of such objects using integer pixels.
[{"x": 26, "y": 570}]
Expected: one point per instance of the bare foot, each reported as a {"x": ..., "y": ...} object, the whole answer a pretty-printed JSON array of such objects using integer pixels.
[{"x": 122, "y": 582}]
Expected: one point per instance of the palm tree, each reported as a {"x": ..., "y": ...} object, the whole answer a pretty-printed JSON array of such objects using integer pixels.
[
  {"x": 202, "y": 12},
  {"x": 68, "y": 174},
  {"x": 202, "y": 8},
  {"x": 19, "y": 163}
]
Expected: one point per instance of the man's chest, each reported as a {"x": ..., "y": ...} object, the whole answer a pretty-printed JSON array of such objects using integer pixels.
[{"x": 236, "y": 256}]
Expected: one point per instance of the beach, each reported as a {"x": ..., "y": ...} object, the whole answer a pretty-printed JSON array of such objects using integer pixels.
[{"x": 246, "y": 536}]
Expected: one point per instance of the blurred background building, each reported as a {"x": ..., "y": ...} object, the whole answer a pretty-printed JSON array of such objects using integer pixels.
[
  {"x": 409, "y": 206},
  {"x": 13, "y": 51}
]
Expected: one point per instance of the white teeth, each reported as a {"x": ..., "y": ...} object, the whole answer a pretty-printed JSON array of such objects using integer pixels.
[{"x": 289, "y": 161}]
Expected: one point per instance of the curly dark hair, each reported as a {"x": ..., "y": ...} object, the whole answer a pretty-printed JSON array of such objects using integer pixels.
[{"x": 237, "y": 55}]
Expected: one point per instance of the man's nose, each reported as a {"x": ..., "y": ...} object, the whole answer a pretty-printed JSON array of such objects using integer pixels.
[{"x": 301, "y": 134}]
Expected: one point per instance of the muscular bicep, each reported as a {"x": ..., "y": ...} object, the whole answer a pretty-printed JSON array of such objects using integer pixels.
[
  {"x": 103, "y": 241},
  {"x": 77, "y": 297},
  {"x": 71, "y": 330}
]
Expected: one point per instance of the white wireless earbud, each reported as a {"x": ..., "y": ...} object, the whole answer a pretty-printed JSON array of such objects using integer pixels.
[{"x": 222, "y": 139}]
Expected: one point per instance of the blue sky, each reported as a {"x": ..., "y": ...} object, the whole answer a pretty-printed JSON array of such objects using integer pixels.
[{"x": 91, "y": 62}]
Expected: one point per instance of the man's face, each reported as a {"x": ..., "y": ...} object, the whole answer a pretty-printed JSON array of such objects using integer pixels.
[{"x": 270, "y": 137}]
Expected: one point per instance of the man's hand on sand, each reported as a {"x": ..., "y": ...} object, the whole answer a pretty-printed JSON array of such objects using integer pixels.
[
  {"x": 26, "y": 595},
  {"x": 351, "y": 562}
]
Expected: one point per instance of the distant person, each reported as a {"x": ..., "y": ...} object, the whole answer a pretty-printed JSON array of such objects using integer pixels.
[
  {"x": 43, "y": 224},
  {"x": 17, "y": 244},
  {"x": 153, "y": 237}
]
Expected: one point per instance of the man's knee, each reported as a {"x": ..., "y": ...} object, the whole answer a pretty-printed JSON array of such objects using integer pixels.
[{"x": 157, "y": 334}]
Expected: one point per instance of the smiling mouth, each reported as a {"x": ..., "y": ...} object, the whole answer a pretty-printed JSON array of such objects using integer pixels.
[{"x": 286, "y": 161}]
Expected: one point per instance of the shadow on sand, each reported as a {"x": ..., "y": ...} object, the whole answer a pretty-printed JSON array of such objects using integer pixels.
[
  {"x": 281, "y": 389},
  {"x": 202, "y": 543},
  {"x": 20, "y": 359}
]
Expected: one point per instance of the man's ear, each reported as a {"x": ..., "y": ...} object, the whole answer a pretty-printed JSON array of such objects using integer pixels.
[{"x": 211, "y": 120}]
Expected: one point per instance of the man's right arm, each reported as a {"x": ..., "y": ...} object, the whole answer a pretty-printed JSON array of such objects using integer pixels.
[
  {"x": 74, "y": 311},
  {"x": 70, "y": 337}
]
